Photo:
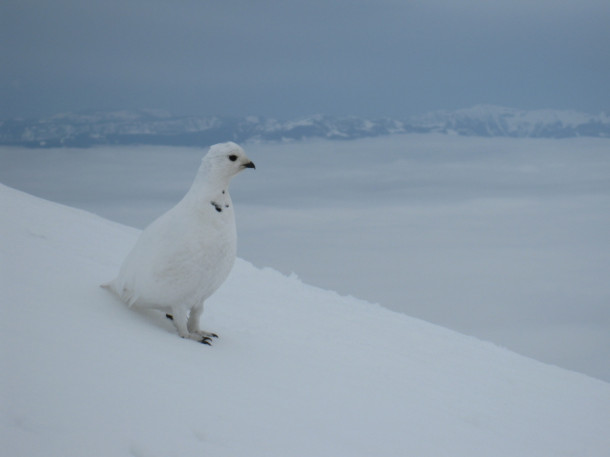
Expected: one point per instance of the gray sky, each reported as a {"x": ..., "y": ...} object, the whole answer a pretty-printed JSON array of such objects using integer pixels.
[{"x": 287, "y": 58}]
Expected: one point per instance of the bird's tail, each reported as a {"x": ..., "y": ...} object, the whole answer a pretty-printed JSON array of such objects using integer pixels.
[
  {"x": 124, "y": 294},
  {"x": 109, "y": 286}
]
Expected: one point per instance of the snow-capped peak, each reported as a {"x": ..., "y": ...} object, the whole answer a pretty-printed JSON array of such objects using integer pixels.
[{"x": 158, "y": 127}]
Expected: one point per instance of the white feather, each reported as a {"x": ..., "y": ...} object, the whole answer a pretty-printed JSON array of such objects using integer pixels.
[{"x": 186, "y": 254}]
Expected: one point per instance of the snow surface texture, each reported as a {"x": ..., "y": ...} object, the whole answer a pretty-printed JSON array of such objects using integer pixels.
[
  {"x": 186, "y": 254},
  {"x": 299, "y": 371}
]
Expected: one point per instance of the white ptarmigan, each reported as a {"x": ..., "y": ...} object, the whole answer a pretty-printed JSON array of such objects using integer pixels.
[{"x": 187, "y": 253}]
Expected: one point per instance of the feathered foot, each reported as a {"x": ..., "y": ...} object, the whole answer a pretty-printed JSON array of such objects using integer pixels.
[
  {"x": 202, "y": 337},
  {"x": 189, "y": 332}
]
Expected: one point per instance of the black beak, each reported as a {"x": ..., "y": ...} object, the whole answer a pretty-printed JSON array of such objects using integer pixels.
[{"x": 249, "y": 165}]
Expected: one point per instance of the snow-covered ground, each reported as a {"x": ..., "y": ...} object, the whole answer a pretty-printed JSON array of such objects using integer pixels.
[
  {"x": 297, "y": 371},
  {"x": 503, "y": 239}
]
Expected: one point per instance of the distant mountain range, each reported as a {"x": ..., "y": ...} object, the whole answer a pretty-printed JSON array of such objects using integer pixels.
[{"x": 162, "y": 128}]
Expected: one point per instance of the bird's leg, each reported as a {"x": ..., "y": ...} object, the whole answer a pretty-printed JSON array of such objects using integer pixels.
[
  {"x": 179, "y": 318},
  {"x": 193, "y": 325}
]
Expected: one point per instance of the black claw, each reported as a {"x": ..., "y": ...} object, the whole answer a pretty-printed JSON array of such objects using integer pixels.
[
  {"x": 214, "y": 335},
  {"x": 206, "y": 340},
  {"x": 170, "y": 317}
]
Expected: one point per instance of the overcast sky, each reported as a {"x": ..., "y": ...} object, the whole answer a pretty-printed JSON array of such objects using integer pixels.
[{"x": 291, "y": 58}]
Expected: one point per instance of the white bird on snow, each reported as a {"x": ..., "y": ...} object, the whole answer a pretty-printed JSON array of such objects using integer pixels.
[{"x": 186, "y": 254}]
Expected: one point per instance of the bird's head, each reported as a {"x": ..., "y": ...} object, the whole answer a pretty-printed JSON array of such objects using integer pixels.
[{"x": 225, "y": 160}]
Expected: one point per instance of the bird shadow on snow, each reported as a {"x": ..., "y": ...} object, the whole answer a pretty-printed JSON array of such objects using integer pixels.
[
  {"x": 150, "y": 318},
  {"x": 156, "y": 318}
]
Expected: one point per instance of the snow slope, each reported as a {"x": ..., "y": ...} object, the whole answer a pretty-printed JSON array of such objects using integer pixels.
[{"x": 297, "y": 371}]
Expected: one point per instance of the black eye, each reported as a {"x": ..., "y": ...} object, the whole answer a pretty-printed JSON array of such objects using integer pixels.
[{"x": 232, "y": 157}]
